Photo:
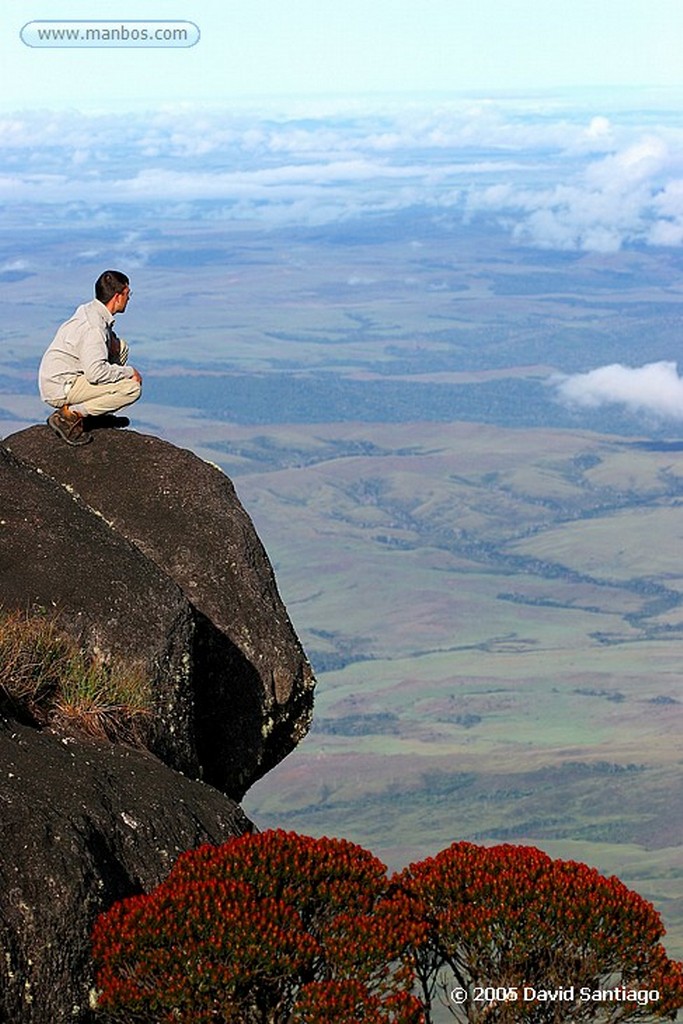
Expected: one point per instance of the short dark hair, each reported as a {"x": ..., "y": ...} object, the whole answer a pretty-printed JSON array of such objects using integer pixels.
[{"x": 109, "y": 284}]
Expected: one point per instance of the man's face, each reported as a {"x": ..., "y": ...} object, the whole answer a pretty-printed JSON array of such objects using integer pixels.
[{"x": 121, "y": 300}]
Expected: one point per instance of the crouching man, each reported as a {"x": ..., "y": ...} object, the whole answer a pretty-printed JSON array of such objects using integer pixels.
[{"x": 84, "y": 371}]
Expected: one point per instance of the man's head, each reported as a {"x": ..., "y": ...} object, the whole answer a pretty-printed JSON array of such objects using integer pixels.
[{"x": 113, "y": 289}]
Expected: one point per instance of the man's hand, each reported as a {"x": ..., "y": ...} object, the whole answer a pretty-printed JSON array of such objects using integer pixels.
[{"x": 137, "y": 377}]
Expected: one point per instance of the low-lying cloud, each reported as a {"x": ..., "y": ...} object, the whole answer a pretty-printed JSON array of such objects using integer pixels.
[
  {"x": 632, "y": 195},
  {"x": 555, "y": 178},
  {"x": 653, "y": 390}
]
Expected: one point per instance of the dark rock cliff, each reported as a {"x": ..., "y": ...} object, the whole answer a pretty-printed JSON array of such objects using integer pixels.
[
  {"x": 83, "y": 824},
  {"x": 148, "y": 551},
  {"x": 55, "y": 554},
  {"x": 144, "y": 552}
]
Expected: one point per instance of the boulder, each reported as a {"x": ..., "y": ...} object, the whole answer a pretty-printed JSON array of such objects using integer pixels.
[
  {"x": 56, "y": 555},
  {"x": 83, "y": 824},
  {"x": 145, "y": 554},
  {"x": 250, "y": 683}
]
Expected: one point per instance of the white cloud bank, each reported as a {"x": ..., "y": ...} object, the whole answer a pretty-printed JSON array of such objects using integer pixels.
[
  {"x": 554, "y": 177},
  {"x": 634, "y": 194},
  {"x": 654, "y": 389}
]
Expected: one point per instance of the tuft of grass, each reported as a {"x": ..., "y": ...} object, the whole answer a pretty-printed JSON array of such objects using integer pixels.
[{"x": 47, "y": 678}]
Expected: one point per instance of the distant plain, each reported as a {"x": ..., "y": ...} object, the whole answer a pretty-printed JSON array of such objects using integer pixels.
[{"x": 489, "y": 584}]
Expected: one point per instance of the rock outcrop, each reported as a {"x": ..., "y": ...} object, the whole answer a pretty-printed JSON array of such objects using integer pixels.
[
  {"x": 145, "y": 550},
  {"x": 83, "y": 824},
  {"x": 145, "y": 554},
  {"x": 55, "y": 554}
]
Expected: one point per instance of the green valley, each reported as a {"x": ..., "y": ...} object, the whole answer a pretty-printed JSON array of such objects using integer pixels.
[{"x": 509, "y": 663}]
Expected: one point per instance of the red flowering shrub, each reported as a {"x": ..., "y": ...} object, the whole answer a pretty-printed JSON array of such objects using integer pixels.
[
  {"x": 260, "y": 929},
  {"x": 519, "y": 937},
  {"x": 278, "y": 928}
]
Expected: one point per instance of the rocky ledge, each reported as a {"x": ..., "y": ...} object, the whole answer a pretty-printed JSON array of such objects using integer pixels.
[{"x": 144, "y": 553}]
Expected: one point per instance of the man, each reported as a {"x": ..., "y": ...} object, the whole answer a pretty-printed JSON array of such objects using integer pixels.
[{"x": 84, "y": 372}]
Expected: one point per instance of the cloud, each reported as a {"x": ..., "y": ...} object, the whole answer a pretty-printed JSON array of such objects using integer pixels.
[
  {"x": 632, "y": 195},
  {"x": 654, "y": 389},
  {"x": 10, "y": 266},
  {"x": 553, "y": 176}
]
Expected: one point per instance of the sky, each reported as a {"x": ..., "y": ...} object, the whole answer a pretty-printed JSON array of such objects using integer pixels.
[
  {"x": 557, "y": 121},
  {"x": 324, "y": 47}
]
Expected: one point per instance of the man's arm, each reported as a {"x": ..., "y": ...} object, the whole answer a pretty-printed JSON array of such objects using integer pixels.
[{"x": 94, "y": 356}]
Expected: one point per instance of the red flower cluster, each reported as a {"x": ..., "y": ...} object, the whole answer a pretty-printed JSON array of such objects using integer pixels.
[
  {"x": 272, "y": 927},
  {"x": 348, "y": 1002},
  {"x": 278, "y": 928},
  {"x": 509, "y": 921}
]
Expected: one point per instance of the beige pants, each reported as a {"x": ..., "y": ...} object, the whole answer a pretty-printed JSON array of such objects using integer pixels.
[{"x": 99, "y": 399}]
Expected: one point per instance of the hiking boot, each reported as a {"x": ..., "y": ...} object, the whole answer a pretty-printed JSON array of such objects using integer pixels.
[
  {"x": 69, "y": 426},
  {"x": 106, "y": 421}
]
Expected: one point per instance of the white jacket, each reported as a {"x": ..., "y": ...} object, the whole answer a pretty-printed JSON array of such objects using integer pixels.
[{"x": 80, "y": 346}]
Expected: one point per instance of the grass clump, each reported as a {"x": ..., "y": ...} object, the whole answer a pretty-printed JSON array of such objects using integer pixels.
[{"x": 49, "y": 680}]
